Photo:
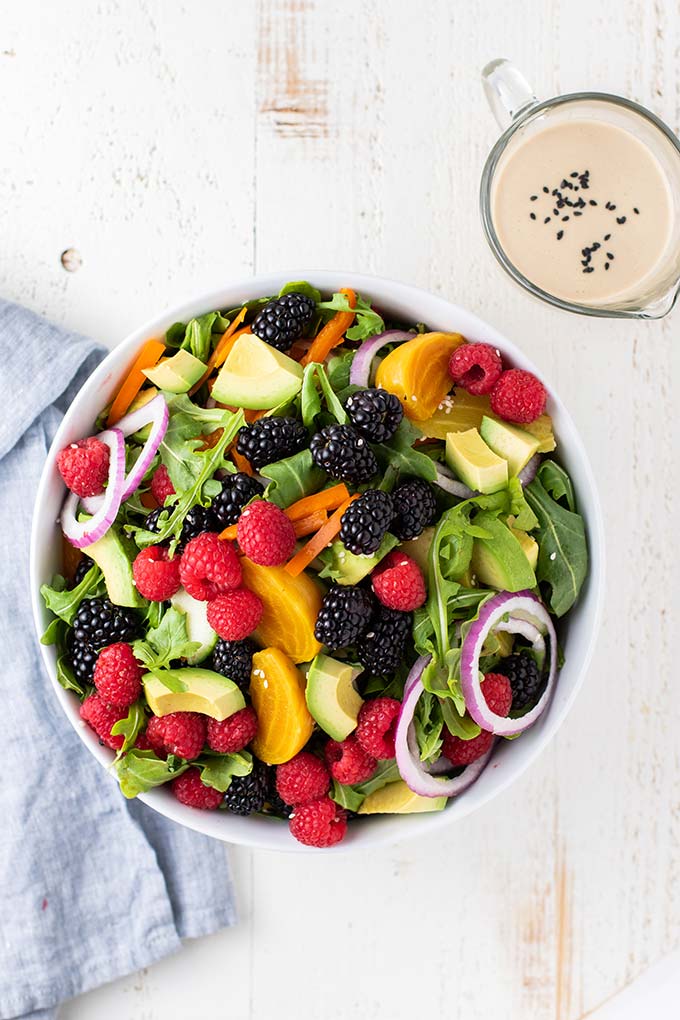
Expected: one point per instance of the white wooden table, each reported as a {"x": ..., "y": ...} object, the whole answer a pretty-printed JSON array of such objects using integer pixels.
[{"x": 175, "y": 146}]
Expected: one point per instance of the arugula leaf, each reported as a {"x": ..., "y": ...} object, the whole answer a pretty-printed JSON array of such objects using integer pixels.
[
  {"x": 301, "y": 287},
  {"x": 140, "y": 771},
  {"x": 562, "y": 549},
  {"x": 165, "y": 643},
  {"x": 66, "y": 677},
  {"x": 401, "y": 454},
  {"x": 64, "y": 602},
  {"x": 352, "y": 797},
  {"x": 462, "y": 726},
  {"x": 292, "y": 478},
  {"x": 130, "y": 726},
  {"x": 218, "y": 770},
  {"x": 338, "y": 369},
  {"x": 428, "y": 723},
  {"x": 310, "y": 398},
  {"x": 187, "y": 423},
  {"x": 367, "y": 321},
  {"x": 557, "y": 482},
  {"x": 196, "y": 336},
  {"x": 171, "y": 520},
  {"x": 525, "y": 518}
]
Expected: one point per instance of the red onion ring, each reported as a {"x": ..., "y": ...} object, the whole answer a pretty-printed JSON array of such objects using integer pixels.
[
  {"x": 528, "y": 472},
  {"x": 84, "y": 533},
  {"x": 360, "y": 371},
  {"x": 156, "y": 414},
  {"x": 412, "y": 770},
  {"x": 520, "y": 607},
  {"x": 446, "y": 481}
]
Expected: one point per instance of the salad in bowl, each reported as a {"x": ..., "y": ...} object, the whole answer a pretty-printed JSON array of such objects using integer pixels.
[{"x": 316, "y": 555}]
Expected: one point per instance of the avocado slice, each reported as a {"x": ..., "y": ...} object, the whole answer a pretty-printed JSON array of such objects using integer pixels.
[
  {"x": 176, "y": 374},
  {"x": 256, "y": 375},
  {"x": 198, "y": 628},
  {"x": 110, "y": 554},
  {"x": 348, "y": 568},
  {"x": 528, "y": 543},
  {"x": 499, "y": 561},
  {"x": 331, "y": 698},
  {"x": 397, "y": 799},
  {"x": 419, "y": 548},
  {"x": 474, "y": 462},
  {"x": 206, "y": 692},
  {"x": 515, "y": 445}
]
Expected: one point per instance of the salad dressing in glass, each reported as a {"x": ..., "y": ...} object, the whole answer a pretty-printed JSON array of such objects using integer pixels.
[{"x": 584, "y": 210}]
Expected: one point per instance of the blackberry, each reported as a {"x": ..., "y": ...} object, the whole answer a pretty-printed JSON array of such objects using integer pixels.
[
  {"x": 415, "y": 507},
  {"x": 344, "y": 616},
  {"x": 524, "y": 676},
  {"x": 275, "y": 804},
  {"x": 234, "y": 659},
  {"x": 99, "y": 623},
  {"x": 82, "y": 657},
  {"x": 375, "y": 413},
  {"x": 365, "y": 521},
  {"x": 82, "y": 568},
  {"x": 344, "y": 454},
  {"x": 247, "y": 794},
  {"x": 237, "y": 490},
  {"x": 151, "y": 520},
  {"x": 283, "y": 320},
  {"x": 197, "y": 520},
  {"x": 270, "y": 439},
  {"x": 382, "y": 646}
]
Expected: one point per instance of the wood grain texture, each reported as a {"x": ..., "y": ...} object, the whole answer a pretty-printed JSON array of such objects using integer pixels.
[{"x": 174, "y": 146}]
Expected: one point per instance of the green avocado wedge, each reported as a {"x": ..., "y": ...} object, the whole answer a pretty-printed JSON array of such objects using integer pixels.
[{"x": 195, "y": 690}]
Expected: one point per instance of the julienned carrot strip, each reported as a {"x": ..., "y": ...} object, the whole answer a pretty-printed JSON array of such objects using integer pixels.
[
  {"x": 149, "y": 355},
  {"x": 241, "y": 463},
  {"x": 223, "y": 342},
  {"x": 333, "y": 332},
  {"x": 229, "y": 533},
  {"x": 327, "y": 499},
  {"x": 311, "y": 524},
  {"x": 224, "y": 347},
  {"x": 250, "y": 415},
  {"x": 317, "y": 544}
]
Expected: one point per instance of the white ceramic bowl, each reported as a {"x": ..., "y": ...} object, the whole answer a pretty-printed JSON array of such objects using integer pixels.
[{"x": 577, "y": 632}]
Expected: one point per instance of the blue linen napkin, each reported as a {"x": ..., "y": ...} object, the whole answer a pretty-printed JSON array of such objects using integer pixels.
[{"x": 92, "y": 887}]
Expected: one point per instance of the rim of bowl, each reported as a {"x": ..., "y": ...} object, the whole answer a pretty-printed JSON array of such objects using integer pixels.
[{"x": 401, "y": 298}]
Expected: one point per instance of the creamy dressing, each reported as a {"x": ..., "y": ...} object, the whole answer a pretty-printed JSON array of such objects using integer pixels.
[{"x": 584, "y": 210}]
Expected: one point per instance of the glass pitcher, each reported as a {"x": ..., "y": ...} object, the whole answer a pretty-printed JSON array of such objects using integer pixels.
[{"x": 521, "y": 115}]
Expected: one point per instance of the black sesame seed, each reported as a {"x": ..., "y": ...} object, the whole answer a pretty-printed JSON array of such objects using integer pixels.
[
  {"x": 564, "y": 219},
  {"x": 547, "y": 219},
  {"x": 595, "y": 245},
  {"x": 620, "y": 219},
  {"x": 592, "y": 201},
  {"x": 636, "y": 211},
  {"x": 533, "y": 198},
  {"x": 612, "y": 206},
  {"x": 578, "y": 213},
  {"x": 575, "y": 174},
  {"x": 546, "y": 190},
  {"x": 556, "y": 212},
  {"x": 607, "y": 236},
  {"x": 606, "y": 265},
  {"x": 532, "y": 215},
  {"x": 560, "y": 235},
  {"x": 589, "y": 269},
  {"x": 610, "y": 256},
  {"x": 584, "y": 262}
]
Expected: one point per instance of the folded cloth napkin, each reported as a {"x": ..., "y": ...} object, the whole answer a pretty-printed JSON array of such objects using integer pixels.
[{"x": 91, "y": 887}]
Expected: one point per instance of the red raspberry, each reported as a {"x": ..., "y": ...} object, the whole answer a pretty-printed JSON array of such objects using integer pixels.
[
  {"x": 398, "y": 582},
  {"x": 209, "y": 566},
  {"x": 476, "y": 367},
  {"x": 518, "y": 396},
  {"x": 498, "y": 696},
  {"x": 101, "y": 718},
  {"x": 142, "y": 743},
  {"x": 497, "y": 693},
  {"x": 161, "y": 486},
  {"x": 156, "y": 575},
  {"x": 190, "y": 790},
  {"x": 118, "y": 675},
  {"x": 265, "y": 534},
  {"x": 235, "y": 614},
  {"x": 232, "y": 734},
  {"x": 348, "y": 761},
  {"x": 84, "y": 466},
  {"x": 464, "y": 752},
  {"x": 180, "y": 733},
  {"x": 319, "y": 823},
  {"x": 302, "y": 779},
  {"x": 376, "y": 726}
]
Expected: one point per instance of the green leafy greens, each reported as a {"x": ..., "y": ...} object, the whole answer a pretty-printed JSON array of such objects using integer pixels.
[
  {"x": 64, "y": 602},
  {"x": 196, "y": 336},
  {"x": 352, "y": 797},
  {"x": 367, "y": 321},
  {"x": 163, "y": 644},
  {"x": 292, "y": 478}
]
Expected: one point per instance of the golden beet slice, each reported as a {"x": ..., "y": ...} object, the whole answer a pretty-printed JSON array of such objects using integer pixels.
[
  {"x": 417, "y": 372},
  {"x": 277, "y": 690},
  {"x": 290, "y": 608}
]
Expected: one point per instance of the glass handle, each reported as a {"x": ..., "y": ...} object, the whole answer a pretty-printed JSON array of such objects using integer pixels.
[{"x": 508, "y": 92}]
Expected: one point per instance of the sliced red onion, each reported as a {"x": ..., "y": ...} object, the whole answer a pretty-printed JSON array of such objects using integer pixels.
[
  {"x": 447, "y": 481},
  {"x": 498, "y": 613},
  {"x": 156, "y": 414},
  {"x": 516, "y": 625},
  {"x": 440, "y": 767},
  {"x": 84, "y": 533},
  {"x": 360, "y": 372},
  {"x": 413, "y": 771},
  {"x": 528, "y": 472}
]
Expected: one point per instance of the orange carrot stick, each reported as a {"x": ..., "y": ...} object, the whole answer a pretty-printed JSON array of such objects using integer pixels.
[
  {"x": 148, "y": 356},
  {"x": 333, "y": 333},
  {"x": 223, "y": 346},
  {"x": 229, "y": 534},
  {"x": 319, "y": 542},
  {"x": 241, "y": 463},
  {"x": 327, "y": 499},
  {"x": 311, "y": 524}
]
